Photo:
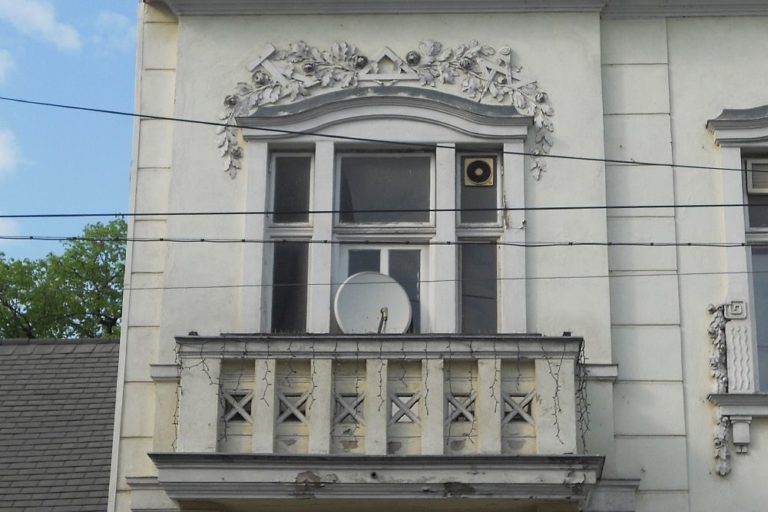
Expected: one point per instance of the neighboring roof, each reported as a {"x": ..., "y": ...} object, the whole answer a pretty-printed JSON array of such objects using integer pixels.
[{"x": 57, "y": 401}]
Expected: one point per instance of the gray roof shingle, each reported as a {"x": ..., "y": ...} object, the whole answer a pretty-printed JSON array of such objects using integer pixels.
[{"x": 57, "y": 406}]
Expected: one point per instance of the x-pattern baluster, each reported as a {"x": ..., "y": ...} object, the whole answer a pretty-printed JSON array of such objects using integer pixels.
[
  {"x": 404, "y": 411},
  {"x": 463, "y": 406},
  {"x": 518, "y": 405},
  {"x": 238, "y": 401},
  {"x": 350, "y": 405},
  {"x": 293, "y": 405}
]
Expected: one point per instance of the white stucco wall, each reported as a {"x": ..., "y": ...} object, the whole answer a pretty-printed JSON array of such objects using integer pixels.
[{"x": 638, "y": 89}]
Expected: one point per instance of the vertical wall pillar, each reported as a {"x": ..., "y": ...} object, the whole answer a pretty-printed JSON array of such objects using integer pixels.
[
  {"x": 264, "y": 406},
  {"x": 432, "y": 412},
  {"x": 489, "y": 406},
  {"x": 555, "y": 406},
  {"x": 512, "y": 258},
  {"x": 319, "y": 273},
  {"x": 444, "y": 264},
  {"x": 199, "y": 406},
  {"x": 376, "y": 407},
  {"x": 321, "y": 407},
  {"x": 166, "y": 379},
  {"x": 252, "y": 310}
]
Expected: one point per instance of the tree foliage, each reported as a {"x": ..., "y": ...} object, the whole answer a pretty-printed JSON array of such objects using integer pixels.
[{"x": 77, "y": 294}]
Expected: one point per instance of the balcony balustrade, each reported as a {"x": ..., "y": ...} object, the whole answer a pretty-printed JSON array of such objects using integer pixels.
[{"x": 342, "y": 417}]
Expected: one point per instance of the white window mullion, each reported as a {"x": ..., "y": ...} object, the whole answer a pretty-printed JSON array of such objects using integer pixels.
[
  {"x": 443, "y": 269},
  {"x": 319, "y": 274},
  {"x": 512, "y": 307},
  {"x": 252, "y": 311}
]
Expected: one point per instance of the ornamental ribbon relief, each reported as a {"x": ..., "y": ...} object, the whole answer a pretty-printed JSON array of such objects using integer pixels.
[
  {"x": 474, "y": 70},
  {"x": 730, "y": 365}
]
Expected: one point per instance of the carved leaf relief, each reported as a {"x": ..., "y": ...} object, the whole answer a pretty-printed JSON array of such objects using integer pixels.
[{"x": 475, "y": 70}]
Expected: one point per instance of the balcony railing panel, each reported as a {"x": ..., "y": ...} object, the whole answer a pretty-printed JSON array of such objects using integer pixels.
[{"x": 378, "y": 395}]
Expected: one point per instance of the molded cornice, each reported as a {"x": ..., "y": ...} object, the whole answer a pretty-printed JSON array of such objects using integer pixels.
[
  {"x": 613, "y": 8},
  {"x": 756, "y": 117},
  {"x": 283, "y": 479},
  {"x": 405, "y": 346},
  {"x": 740, "y": 127}
]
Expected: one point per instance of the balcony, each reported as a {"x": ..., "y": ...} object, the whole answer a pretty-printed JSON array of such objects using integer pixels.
[{"x": 271, "y": 419}]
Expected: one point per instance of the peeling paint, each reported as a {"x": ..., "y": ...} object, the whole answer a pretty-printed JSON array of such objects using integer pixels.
[
  {"x": 457, "y": 489},
  {"x": 394, "y": 447},
  {"x": 307, "y": 482}
]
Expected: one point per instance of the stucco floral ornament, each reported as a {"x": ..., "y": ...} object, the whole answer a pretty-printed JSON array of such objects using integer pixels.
[{"x": 474, "y": 70}]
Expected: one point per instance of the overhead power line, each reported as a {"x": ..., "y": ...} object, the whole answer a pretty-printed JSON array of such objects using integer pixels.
[
  {"x": 621, "y": 274},
  {"x": 374, "y": 242},
  {"x": 388, "y": 210},
  {"x": 616, "y": 161}
]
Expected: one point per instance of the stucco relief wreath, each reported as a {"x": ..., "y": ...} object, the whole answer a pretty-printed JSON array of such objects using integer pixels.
[{"x": 478, "y": 71}]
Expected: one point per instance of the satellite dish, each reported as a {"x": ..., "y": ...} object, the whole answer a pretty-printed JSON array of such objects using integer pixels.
[{"x": 371, "y": 303}]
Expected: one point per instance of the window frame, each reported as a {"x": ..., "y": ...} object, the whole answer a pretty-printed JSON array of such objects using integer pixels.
[
  {"x": 271, "y": 184},
  {"x": 753, "y": 234},
  {"x": 381, "y": 227},
  {"x": 460, "y": 283},
  {"x": 498, "y": 224},
  {"x": 341, "y": 270}
]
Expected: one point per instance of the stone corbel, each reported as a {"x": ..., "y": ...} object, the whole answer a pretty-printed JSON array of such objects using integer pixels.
[
  {"x": 739, "y": 409},
  {"x": 740, "y": 432}
]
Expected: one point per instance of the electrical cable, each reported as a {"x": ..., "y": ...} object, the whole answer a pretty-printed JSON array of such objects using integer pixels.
[
  {"x": 620, "y": 274},
  {"x": 363, "y": 139},
  {"x": 373, "y": 242},
  {"x": 383, "y": 210}
]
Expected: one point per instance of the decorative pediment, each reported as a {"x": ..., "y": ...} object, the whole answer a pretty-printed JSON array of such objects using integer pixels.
[{"x": 475, "y": 71}]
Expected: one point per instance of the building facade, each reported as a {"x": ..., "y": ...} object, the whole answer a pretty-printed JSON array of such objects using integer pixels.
[{"x": 570, "y": 196}]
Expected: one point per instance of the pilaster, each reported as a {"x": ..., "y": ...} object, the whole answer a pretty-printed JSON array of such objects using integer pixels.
[
  {"x": 433, "y": 407},
  {"x": 489, "y": 406},
  {"x": 199, "y": 406},
  {"x": 321, "y": 407},
  {"x": 264, "y": 406},
  {"x": 376, "y": 407}
]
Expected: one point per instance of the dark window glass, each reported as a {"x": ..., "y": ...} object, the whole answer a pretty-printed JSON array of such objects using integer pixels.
[
  {"x": 289, "y": 291},
  {"x": 478, "y": 288},
  {"x": 364, "y": 260},
  {"x": 760, "y": 292},
  {"x": 404, "y": 267},
  {"x": 292, "y": 188},
  {"x": 758, "y": 210},
  {"x": 477, "y": 197},
  {"x": 387, "y": 182}
]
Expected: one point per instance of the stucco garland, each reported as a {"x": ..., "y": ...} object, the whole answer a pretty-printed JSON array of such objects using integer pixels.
[
  {"x": 719, "y": 371},
  {"x": 473, "y": 70},
  {"x": 718, "y": 356}
]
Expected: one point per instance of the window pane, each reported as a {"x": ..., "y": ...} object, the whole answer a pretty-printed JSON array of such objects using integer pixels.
[
  {"x": 404, "y": 267},
  {"x": 387, "y": 182},
  {"x": 478, "y": 288},
  {"x": 758, "y": 210},
  {"x": 292, "y": 188},
  {"x": 289, "y": 291},
  {"x": 364, "y": 260},
  {"x": 760, "y": 292},
  {"x": 762, "y": 362},
  {"x": 477, "y": 197}
]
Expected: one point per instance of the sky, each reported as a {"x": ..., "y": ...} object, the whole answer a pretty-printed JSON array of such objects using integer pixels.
[{"x": 79, "y": 52}]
